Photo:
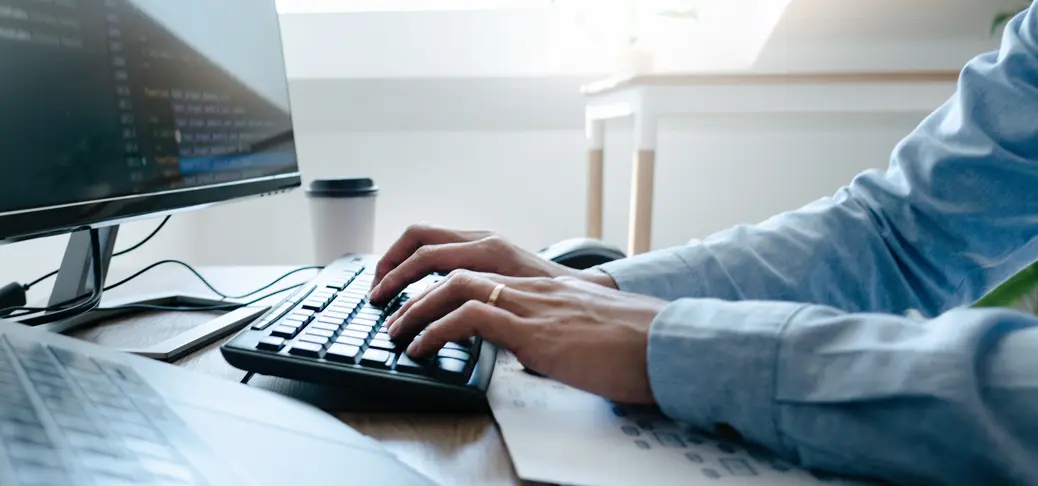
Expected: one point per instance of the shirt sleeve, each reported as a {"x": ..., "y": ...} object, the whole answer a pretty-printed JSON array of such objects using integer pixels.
[
  {"x": 954, "y": 215},
  {"x": 953, "y": 400}
]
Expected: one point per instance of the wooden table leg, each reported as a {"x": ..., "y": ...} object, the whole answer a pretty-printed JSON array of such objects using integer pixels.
[
  {"x": 642, "y": 186},
  {"x": 595, "y": 177}
]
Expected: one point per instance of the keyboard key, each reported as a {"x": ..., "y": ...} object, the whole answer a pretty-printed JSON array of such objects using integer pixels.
[
  {"x": 272, "y": 343},
  {"x": 339, "y": 309},
  {"x": 18, "y": 432},
  {"x": 294, "y": 321},
  {"x": 320, "y": 332},
  {"x": 310, "y": 338},
  {"x": 325, "y": 326},
  {"x": 353, "y": 268},
  {"x": 372, "y": 316},
  {"x": 263, "y": 323},
  {"x": 456, "y": 346},
  {"x": 287, "y": 332},
  {"x": 360, "y": 328},
  {"x": 383, "y": 344},
  {"x": 336, "y": 320},
  {"x": 342, "y": 316},
  {"x": 310, "y": 350},
  {"x": 356, "y": 335},
  {"x": 24, "y": 453},
  {"x": 350, "y": 341},
  {"x": 32, "y": 474},
  {"x": 405, "y": 364},
  {"x": 453, "y": 353},
  {"x": 377, "y": 358},
  {"x": 450, "y": 368},
  {"x": 364, "y": 321},
  {"x": 314, "y": 304},
  {"x": 302, "y": 313},
  {"x": 342, "y": 353}
]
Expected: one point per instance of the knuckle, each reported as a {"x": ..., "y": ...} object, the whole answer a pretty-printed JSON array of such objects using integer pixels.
[
  {"x": 496, "y": 243},
  {"x": 543, "y": 284},
  {"x": 416, "y": 229},
  {"x": 470, "y": 308},
  {"x": 459, "y": 277},
  {"x": 424, "y": 253}
]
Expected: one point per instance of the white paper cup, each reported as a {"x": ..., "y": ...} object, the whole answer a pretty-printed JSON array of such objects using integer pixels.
[{"x": 342, "y": 217}]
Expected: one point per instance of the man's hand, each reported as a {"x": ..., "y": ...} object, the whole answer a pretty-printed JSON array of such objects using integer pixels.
[
  {"x": 582, "y": 334},
  {"x": 424, "y": 249}
]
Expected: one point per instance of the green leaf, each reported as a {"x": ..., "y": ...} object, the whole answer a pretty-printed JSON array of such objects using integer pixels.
[{"x": 1012, "y": 291}]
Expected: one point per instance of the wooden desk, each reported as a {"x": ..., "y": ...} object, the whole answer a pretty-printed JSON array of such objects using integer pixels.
[
  {"x": 649, "y": 98},
  {"x": 451, "y": 450}
]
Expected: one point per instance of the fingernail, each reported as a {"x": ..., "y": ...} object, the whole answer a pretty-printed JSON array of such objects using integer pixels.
[
  {"x": 373, "y": 291},
  {"x": 412, "y": 350}
]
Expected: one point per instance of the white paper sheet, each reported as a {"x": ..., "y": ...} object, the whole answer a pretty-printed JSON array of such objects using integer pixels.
[{"x": 561, "y": 435}]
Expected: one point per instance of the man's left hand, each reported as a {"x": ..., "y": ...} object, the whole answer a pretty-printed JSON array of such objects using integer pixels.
[{"x": 585, "y": 335}]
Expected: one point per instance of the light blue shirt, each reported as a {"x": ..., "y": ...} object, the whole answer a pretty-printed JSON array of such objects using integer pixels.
[{"x": 793, "y": 331}]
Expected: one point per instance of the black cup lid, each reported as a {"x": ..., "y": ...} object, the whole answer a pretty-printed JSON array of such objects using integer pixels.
[{"x": 342, "y": 188}]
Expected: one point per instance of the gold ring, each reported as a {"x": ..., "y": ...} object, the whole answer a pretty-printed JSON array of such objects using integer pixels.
[{"x": 495, "y": 294}]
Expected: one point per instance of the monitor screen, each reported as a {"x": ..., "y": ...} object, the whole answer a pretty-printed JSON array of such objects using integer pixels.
[{"x": 102, "y": 100}]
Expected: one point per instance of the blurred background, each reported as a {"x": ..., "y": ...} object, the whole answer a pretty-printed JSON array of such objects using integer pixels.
[{"x": 469, "y": 114}]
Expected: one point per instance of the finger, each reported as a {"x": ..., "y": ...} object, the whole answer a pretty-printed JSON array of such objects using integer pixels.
[
  {"x": 411, "y": 302},
  {"x": 413, "y": 238},
  {"x": 425, "y": 260},
  {"x": 500, "y": 327},
  {"x": 460, "y": 287}
]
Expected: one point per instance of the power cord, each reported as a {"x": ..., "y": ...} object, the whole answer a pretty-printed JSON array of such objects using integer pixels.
[
  {"x": 65, "y": 310},
  {"x": 146, "y": 239},
  {"x": 24, "y": 311},
  {"x": 227, "y": 306}
]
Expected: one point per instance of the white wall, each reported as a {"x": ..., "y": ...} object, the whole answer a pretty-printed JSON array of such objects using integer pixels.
[{"x": 529, "y": 185}]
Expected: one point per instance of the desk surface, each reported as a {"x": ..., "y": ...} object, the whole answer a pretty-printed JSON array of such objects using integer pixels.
[{"x": 451, "y": 450}]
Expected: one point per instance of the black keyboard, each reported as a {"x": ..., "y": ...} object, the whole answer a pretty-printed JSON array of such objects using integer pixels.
[
  {"x": 68, "y": 419},
  {"x": 328, "y": 333}
]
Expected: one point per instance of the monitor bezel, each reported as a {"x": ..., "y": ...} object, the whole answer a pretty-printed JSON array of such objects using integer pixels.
[{"x": 56, "y": 220}]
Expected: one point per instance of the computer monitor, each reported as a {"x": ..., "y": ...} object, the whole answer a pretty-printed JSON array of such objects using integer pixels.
[{"x": 114, "y": 110}]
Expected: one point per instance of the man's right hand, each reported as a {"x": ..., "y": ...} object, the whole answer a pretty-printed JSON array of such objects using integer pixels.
[{"x": 424, "y": 249}]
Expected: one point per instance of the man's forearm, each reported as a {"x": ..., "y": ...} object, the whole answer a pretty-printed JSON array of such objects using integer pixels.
[{"x": 952, "y": 217}]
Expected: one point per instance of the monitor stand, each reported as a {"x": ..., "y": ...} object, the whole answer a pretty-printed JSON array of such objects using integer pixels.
[{"x": 75, "y": 278}]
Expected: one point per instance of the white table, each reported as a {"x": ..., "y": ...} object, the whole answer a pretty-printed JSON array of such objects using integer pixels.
[{"x": 649, "y": 98}]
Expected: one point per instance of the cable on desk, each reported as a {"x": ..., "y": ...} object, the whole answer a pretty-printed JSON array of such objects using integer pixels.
[
  {"x": 25, "y": 311},
  {"x": 66, "y": 310},
  {"x": 227, "y": 306},
  {"x": 120, "y": 253}
]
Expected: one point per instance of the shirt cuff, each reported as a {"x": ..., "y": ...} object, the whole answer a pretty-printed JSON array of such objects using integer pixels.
[
  {"x": 663, "y": 274},
  {"x": 713, "y": 363}
]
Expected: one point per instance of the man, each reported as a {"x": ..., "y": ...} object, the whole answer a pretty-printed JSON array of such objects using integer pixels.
[{"x": 793, "y": 332}]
